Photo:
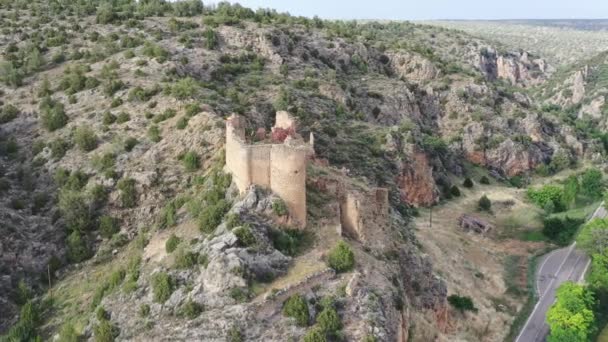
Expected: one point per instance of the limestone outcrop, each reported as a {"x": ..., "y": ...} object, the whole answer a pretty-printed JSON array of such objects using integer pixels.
[{"x": 515, "y": 67}]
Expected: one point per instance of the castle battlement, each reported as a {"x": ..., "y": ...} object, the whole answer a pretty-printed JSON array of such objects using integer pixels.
[{"x": 279, "y": 165}]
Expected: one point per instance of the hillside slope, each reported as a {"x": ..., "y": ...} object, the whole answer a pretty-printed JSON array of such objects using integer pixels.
[{"x": 113, "y": 190}]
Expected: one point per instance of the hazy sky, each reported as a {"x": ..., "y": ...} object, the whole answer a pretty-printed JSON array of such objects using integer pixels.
[{"x": 438, "y": 9}]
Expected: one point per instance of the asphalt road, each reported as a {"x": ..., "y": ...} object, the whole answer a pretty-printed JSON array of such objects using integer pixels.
[{"x": 555, "y": 268}]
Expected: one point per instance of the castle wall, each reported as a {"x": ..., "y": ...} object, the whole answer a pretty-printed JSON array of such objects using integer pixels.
[
  {"x": 352, "y": 223},
  {"x": 259, "y": 165},
  {"x": 288, "y": 179},
  {"x": 364, "y": 214},
  {"x": 284, "y": 120},
  {"x": 237, "y": 156},
  {"x": 279, "y": 167}
]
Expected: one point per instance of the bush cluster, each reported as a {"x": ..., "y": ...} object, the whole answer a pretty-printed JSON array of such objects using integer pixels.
[
  {"x": 128, "y": 193},
  {"x": 297, "y": 308},
  {"x": 462, "y": 303},
  {"x": 341, "y": 258},
  {"x": 162, "y": 287}
]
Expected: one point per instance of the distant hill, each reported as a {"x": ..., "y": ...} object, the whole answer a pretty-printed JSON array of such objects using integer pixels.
[{"x": 560, "y": 41}]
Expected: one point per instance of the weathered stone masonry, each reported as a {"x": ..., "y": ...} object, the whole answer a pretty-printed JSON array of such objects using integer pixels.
[{"x": 280, "y": 167}]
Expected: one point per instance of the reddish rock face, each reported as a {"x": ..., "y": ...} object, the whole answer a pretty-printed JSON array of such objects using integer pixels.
[{"x": 416, "y": 182}]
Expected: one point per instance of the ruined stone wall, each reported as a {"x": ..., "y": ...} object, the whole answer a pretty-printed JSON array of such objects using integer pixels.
[
  {"x": 237, "y": 155},
  {"x": 362, "y": 214},
  {"x": 259, "y": 164},
  {"x": 288, "y": 178},
  {"x": 279, "y": 167},
  {"x": 285, "y": 121}
]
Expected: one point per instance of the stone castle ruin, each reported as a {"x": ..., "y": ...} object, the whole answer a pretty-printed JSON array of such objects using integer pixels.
[{"x": 276, "y": 161}]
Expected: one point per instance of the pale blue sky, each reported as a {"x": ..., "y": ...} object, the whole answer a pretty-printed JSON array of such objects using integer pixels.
[{"x": 438, "y": 9}]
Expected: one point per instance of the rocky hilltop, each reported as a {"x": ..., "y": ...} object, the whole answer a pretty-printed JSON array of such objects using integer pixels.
[{"x": 122, "y": 221}]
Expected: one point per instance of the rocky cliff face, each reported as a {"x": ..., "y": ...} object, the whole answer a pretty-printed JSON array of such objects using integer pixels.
[{"x": 515, "y": 67}]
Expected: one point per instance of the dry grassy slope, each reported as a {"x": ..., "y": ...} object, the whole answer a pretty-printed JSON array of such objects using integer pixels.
[{"x": 369, "y": 115}]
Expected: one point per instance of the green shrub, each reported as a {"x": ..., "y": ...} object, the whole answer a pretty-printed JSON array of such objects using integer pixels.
[
  {"x": 10, "y": 74},
  {"x": 162, "y": 287},
  {"x": 105, "y": 331},
  {"x": 468, "y": 183},
  {"x": 238, "y": 294},
  {"x": 185, "y": 258},
  {"x": 8, "y": 113},
  {"x": 52, "y": 114},
  {"x": 233, "y": 220},
  {"x": 23, "y": 294},
  {"x": 235, "y": 335},
  {"x": 25, "y": 328},
  {"x": 154, "y": 133},
  {"x": 211, "y": 216},
  {"x": 108, "y": 226},
  {"x": 211, "y": 40},
  {"x": 592, "y": 184},
  {"x": 75, "y": 209},
  {"x": 144, "y": 310},
  {"x": 279, "y": 207},
  {"x": 191, "y": 309},
  {"x": 185, "y": 88},
  {"x": 245, "y": 236},
  {"x": 454, "y": 191},
  {"x": 297, "y": 308},
  {"x": 484, "y": 180},
  {"x": 122, "y": 117},
  {"x": 108, "y": 118},
  {"x": 59, "y": 147},
  {"x": 462, "y": 303},
  {"x": 517, "y": 181},
  {"x": 85, "y": 138},
  {"x": 192, "y": 109},
  {"x": 77, "y": 248},
  {"x": 329, "y": 321},
  {"x": 191, "y": 161},
  {"x": 128, "y": 193},
  {"x": 98, "y": 194},
  {"x": 116, "y": 278},
  {"x": 288, "y": 241},
  {"x": 315, "y": 334},
  {"x": 154, "y": 51},
  {"x": 130, "y": 143},
  {"x": 182, "y": 123},
  {"x": 68, "y": 333},
  {"x": 484, "y": 203},
  {"x": 172, "y": 243},
  {"x": 341, "y": 258},
  {"x": 560, "y": 231}
]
